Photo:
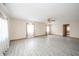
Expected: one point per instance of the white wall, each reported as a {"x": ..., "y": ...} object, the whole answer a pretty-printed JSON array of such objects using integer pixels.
[
  {"x": 17, "y": 29},
  {"x": 57, "y": 27}
]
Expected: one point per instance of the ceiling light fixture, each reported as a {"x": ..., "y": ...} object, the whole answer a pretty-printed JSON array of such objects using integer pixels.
[{"x": 51, "y": 20}]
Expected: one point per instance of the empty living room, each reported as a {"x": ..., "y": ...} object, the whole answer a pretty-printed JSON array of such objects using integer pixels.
[{"x": 39, "y": 29}]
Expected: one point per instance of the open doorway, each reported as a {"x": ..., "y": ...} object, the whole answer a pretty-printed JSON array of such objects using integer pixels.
[
  {"x": 66, "y": 30},
  {"x": 30, "y": 30},
  {"x": 47, "y": 30}
]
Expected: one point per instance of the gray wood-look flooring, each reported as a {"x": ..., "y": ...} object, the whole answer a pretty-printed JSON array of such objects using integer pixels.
[{"x": 51, "y": 45}]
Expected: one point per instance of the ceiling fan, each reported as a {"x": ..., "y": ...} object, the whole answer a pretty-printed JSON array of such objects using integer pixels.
[{"x": 50, "y": 20}]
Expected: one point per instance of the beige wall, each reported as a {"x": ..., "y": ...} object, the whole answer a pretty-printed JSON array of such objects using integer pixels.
[
  {"x": 57, "y": 27},
  {"x": 75, "y": 29},
  {"x": 17, "y": 29},
  {"x": 40, "y": 29}
]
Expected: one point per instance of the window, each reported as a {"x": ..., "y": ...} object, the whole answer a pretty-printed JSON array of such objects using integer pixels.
[
  {"x": 3, "y": 29},
  {"x": 30, "y": 30},
  {"x": 4, "y": 41},
  {"x": 48, "y": 29}
]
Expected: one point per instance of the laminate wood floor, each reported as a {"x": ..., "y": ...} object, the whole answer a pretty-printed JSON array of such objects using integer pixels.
[{"x": 51, "y": 45}]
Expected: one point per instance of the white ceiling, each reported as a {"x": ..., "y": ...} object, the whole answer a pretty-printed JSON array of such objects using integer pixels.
[{"x": 42, "y": 11}]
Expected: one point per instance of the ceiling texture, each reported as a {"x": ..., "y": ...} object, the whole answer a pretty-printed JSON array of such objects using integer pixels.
[{"x": 42, "y": 11}]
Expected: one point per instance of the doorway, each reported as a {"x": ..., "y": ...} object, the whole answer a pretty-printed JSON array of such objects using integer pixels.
[
  {"x": 30, "y": 30},
  {"x": 48, "y": 29},
  {"x": 66, "y": 30}
]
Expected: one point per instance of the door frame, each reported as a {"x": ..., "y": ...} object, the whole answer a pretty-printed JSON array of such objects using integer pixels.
[{"x": 65, "y": 32}]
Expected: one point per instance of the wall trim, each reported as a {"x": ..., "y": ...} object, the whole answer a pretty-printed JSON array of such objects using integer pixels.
[
  {"x": 26, "y": 37},
  {"x": 18, "y": 39},
  {"x": 67, "y": 36},
  {"x": 41, "y": 35}
]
